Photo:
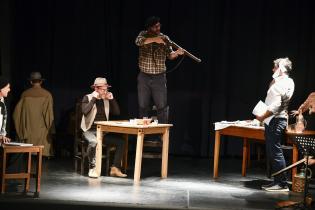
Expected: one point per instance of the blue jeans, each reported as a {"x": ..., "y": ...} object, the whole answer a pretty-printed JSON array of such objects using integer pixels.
[
  {"x": 274, "y": 136},
  {"x": 152, "y": 86}
]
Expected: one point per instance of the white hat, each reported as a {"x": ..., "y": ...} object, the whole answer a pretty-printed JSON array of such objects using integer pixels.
[{"x": 100, "y": 81}]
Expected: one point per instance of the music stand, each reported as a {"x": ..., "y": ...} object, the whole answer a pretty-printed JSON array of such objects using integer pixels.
[{"x": 306, "y": 145}]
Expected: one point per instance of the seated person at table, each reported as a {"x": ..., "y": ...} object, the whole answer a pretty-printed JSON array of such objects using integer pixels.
[
  {"x": 4, "y": 90},
  {"x": 97, "y": 106},
  {"x": 308, "y": 105}
]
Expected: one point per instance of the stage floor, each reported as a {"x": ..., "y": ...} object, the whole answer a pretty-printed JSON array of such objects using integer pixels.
[{"x": 189, "y": 186}]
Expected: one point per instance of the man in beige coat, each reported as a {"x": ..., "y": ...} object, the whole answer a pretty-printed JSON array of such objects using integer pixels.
[{"x": 33, "y": 115}]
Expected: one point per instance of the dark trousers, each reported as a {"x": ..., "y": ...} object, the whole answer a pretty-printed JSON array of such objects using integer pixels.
[
  {"x": 274, "y": 136},
  {"x": 152, "y": 86},
  {"x": 110, "y": 140}
]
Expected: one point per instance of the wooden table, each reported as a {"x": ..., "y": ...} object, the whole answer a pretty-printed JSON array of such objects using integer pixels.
[
  {"x": 140, "y": 131},
  {"x": 255, "y": 133},
  {"x": 6, "y": 149},
  {"x": 237, "y": 131}
]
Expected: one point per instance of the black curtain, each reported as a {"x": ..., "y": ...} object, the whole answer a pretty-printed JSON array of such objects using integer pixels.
[{"x": 72, "y": 42}]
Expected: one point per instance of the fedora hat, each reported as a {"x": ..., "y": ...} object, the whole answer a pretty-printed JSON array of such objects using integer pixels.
[
  {"x": 35, "y": 75},
  {"x": 100, "y": 81}
]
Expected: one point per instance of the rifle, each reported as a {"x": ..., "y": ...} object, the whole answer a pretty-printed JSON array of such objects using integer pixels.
[
  {"x": 173, "y": 44},
  {"x": 289, "y": 167}
]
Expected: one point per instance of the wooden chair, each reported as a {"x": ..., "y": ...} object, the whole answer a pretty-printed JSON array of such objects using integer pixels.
[
  {"x": 80, "y": 145},
  {"x": 154, "y": 145}
]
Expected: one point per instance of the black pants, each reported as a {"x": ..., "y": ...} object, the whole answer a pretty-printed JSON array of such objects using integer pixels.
[
  {"x": 110, "y": 140},
  {"x": 152, "y": 86}
]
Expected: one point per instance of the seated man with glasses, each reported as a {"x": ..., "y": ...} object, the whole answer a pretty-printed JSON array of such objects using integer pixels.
[{"x": 97, "y": 106}]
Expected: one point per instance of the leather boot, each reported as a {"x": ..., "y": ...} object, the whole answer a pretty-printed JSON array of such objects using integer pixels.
[{"x": 114, "y": 171}]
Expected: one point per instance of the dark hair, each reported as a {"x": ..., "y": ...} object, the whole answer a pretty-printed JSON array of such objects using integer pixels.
[
  {"x": 151, "y": 21},
  {"x": 3, "y": 82}
]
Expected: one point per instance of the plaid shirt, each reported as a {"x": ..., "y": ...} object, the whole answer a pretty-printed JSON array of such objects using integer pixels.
[{"x": 152, "y": 56}]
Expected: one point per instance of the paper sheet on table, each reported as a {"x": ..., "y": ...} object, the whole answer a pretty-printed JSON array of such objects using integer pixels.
[
  {"x": 260, "y": 109},
  {"x": 223, "y": 124},
  {"x": 18, "y": 144},
  {"x": 241, "y": 123}
]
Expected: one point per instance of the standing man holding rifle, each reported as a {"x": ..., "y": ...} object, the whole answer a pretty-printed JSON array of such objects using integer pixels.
[{"x": 154, "y": 48}]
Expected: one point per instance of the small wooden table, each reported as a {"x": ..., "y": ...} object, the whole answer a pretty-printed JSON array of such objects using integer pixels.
[
  {"x": 140, "y": 131},
  {"x": 255, "y": 133},
  {"x": 6, "y": 149}
]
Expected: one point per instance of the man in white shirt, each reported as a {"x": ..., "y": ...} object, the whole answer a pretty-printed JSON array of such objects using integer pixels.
[{"x": 275, "y": 120}]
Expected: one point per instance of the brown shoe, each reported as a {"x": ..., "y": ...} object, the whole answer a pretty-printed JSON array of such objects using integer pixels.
[{"x": 114, "y": 171}]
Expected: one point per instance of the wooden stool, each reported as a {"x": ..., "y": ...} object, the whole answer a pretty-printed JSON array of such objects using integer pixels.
[{"x": 6, "y": 149}]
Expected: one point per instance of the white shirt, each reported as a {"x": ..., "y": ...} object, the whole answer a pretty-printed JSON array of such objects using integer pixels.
[{"x": 278, "y": 97}]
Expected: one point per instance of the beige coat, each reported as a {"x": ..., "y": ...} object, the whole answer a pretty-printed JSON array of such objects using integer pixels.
[{"x": 34, "y": 119}]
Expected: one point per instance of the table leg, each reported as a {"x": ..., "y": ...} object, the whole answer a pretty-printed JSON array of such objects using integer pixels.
[
  {"x": 165, "y": 148},
  {"x": 295, "y": 156},
  {"x": 216, "y": 154},
  {"x": 1, "y": 154},
  {"x": 245, "y": 154},
  {"x": 4, "y": 166},
  {"x": 98, "y": 153},
  {"x": 29, "y": 166},
  {"x": 138, "y": 160},
  {"x": 38, "y": 172}
]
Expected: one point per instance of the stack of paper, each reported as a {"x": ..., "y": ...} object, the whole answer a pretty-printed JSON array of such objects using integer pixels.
[{"x": 260, "y": 109}]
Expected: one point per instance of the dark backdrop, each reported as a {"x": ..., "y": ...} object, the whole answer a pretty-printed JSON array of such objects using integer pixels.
[{"x": 71, "y": 42}]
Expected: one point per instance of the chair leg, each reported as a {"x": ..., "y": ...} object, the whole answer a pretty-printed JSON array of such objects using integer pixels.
[
  {"x": 259, "y": 153},
  {"x": 82, "y": 159},
  {"x": 3, "y": 171},
  {"x": 248, "y": 157},
  {"x": 107, "y": 160},
  {"x": 75, "y": 164}
]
